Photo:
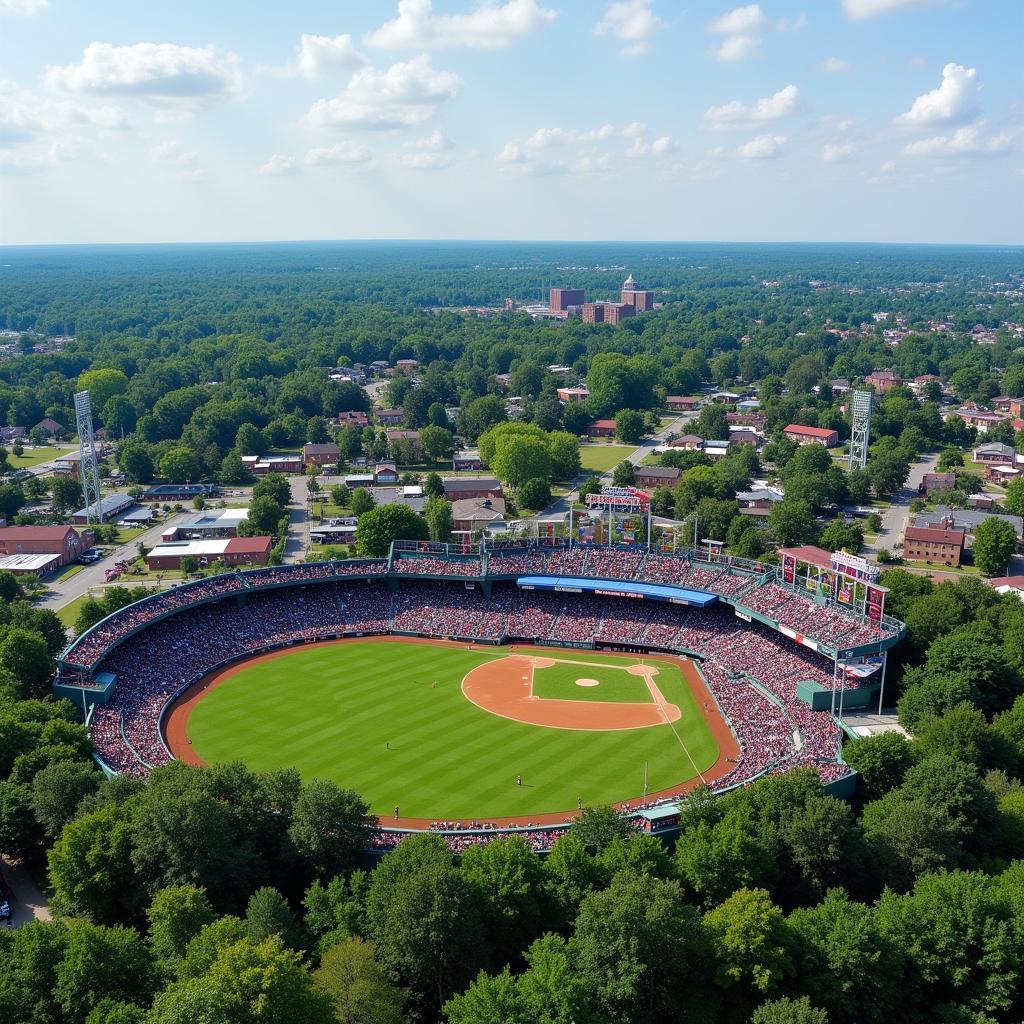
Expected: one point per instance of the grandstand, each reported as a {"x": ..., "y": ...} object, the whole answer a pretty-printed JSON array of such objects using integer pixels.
[{"x": 763, "y": 643}]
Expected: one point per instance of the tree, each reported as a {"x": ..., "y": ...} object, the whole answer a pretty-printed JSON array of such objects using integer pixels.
[
  {"x": 180, "y": 464},
  {"x": 792, "y": 522},
  {"x": 480, "y": 415},
  {"x": 881, "y": 762},
  {"x": 433, "y": 486},
  {"x": 629, "y": 426},
  {"x": 438, "y": 514},
  {"x": 275, "y": 486},
  {"x": 750, "y": 940},
  {"x": 564, "y": 449},
  {"x": 437, "y": 443},
  {"x": 623, "y": 474},
  {"x": 328, "y": 825},
  {"x": 534, "y": 494},
  {"x": 362, "y": 501},
  {"x": 66, "y": 492},
  {"x": 261, "y": 984},
  {"x": 378, "y": 527},
  {"x": 712, "y": 424},
  {"x": 596, "y": 827},
  {"x": 58, "y": 789},
  {"x": 176, "y": 915},
  {"x": 12, "y": 499},
  {"x": 340, "y": 495},
  {"x": 789, "y": 1011},
  {"x": 135, "y": 460},
  {"x": 102, "y": 385},
  {"x": 358, "y": 986},
  {"x": 267, "y": 914},
  {"x": 263, "y": 517},
  {"x": 101, "y": 962},
  {"x": 424, "y": 918},
  {"x": 838, "y": 536},
  {"x": 995, "y": 541},
  {"x": 520, "y": 458},
  {"x": 25, "y": 655},
  {"x": 18, "y": 828}
]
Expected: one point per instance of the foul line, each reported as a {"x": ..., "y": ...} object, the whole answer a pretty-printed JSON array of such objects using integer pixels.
[{"x": 659, "y": 699}]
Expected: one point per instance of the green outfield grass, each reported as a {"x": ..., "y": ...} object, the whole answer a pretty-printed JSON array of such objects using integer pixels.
[
  {"x": 615, "y": 684},
  {"x": 368, "y": 716}
]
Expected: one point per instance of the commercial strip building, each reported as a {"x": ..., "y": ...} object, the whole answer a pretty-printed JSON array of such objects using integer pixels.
[
  {"x": 221, "y": 523},
  {"x": 110, "y": 508},
  {"x": 230, "y": 550}
]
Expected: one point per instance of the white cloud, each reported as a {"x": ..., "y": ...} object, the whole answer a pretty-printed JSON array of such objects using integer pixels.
[
  {"x": 158, "y": 72},
  {"x": 834, "y": 65},
  {"x": 964, "y": 142},
  {"x": 490, "y": 26},
  {"x": 317, "y": 56},
  {"x": 763, "y": 147},
  {"x": 858, "y": 9},
  {"x": 24, "y": 8},
  {"x": 544, "y": 138},
  {"x": 279, "y": 166},
  {"x": 736, "y": 48},
  {"x": 346, "y": 152},
  {"x": 838, "y": 152},
  {"x": 425, "y": 161},
  {"x": 633, "y": 23},
  {"x": 784, "y": 103},
  {"x": 740, "y": 21},
  {"x": 435, "y": 142},
  {"x": 951, "y": 103},
  {"x": 26, "y": 116},
  {"x": 654, "y": 149},
  {"x": 511, "y": 153},
  {"x": 404, "y": 95},
  {"x": 173, "y": 153}
]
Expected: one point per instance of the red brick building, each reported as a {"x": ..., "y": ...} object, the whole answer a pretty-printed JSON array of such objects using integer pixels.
[
  {"x": 933, "y": 544},
  {"x": 320, "y": 454},
  {"x": 812, "y": 435},
  {"x": 63, "y": 541},
  {"x": 601, "y": 428},
  {"x": 633, "y": 295},
  {"x": 560, "y": 299}
]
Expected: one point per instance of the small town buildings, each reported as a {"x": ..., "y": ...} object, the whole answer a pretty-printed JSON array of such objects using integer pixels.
[
  {"x": 470, "y": 515},
  {"x": 968, "y": 519},
  {"x": 981, "y": 419},
  {"x": 569, "y": 396},
  {"x": 407, "y": 366},
  {"x": 24, "y": 565},
  {"x": 937, "y": 482},
  {"x": 49, "y": 427},
  {"x": 471, "y": 487},
  {"x": 717, "y": 449},
  {"x": 601, "y": 428},
  {"x": 385, "y": 473},
  {"x": 839, "y": 386},
  {"x": 656, "y": 476},
  {"x": 355, "y": 418},
  {"x": 231, "y": 550},
  {"x": 883, "y": 380},
  {"x": 67, "y": 464},
  {"x": 981, "y": 501},
  {"x": 688, "y": 443},
  {"x": 1001, "y": 475},
  {"x": 215, "y": 523},
  {"x": 326, "y": 454},
  {"x": 812, "y": 435},
  {"x": 396, "y": 435},
  {"x": 110, "y": 507},
  {"x": 389, "y": 417},
  {"x": 9, "y": 435},
  {"x": 995, "y": 453},
  {"x": 1009, "y": 585},
  {"x": 759, "y": 501},
  {"x": 755, "y": 420},
  {"x": 63, "y": 543},
  {"x": 933, "y": 544},
  {"x": 744, "y": 435},
  {"x": 179, "y": 492},
  {"x": 467, "y": 459},
  {"x": 682, "y": 403},
  {"x": 261, "y": 465}
]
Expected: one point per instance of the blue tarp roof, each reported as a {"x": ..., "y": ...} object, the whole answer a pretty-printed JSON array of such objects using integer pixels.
[{"x": 651, "y": 591}]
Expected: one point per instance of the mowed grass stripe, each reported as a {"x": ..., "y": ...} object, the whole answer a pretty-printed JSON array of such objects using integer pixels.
[{"x": 366, "y": 716}]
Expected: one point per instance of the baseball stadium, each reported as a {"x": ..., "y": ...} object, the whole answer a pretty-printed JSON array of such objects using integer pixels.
[{"x": 473, "y": 690}]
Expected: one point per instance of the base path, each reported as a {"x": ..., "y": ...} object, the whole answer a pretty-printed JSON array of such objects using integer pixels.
[
  {"x": 176, "y": 721},
  {"x": 505, "y": 688}
]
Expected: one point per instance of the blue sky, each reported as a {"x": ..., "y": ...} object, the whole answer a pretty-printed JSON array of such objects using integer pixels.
[{"x": 859, "y": 120}]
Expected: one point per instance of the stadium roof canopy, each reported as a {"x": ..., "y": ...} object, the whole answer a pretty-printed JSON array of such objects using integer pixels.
[{"x": 615, "y": 588}]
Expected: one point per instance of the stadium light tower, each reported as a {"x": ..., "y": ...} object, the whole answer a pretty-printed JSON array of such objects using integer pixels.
[
  {"x": 861, "y": 434},
  {"x": 88, "y": 464}
]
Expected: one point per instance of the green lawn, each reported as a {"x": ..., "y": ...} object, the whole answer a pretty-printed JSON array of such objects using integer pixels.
[
  {"x": 74, "y": 570},
  {"x": 602, "y": 457},
  {"x": 366, "y": 716},
  {"x": 615, "y": 684},
  {"x": 69, "y": 612},
  {"x": 35, "y": 456}
]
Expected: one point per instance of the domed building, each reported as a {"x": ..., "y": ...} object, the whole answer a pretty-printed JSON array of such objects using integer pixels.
[{"x": 633, "y": 295}]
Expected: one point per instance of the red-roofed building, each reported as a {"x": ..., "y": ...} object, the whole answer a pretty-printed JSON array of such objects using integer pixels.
[
  {"x": 812, "y": 435},
  {"x": 601, "y": 428},
  {"x": 883, "y": 380},
  {"x": 933, "y": 544},
  {"x": 62, "y": 541}
]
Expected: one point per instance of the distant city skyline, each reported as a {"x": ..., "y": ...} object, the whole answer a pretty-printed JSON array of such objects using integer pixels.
[{"x": 837, "y": 120}]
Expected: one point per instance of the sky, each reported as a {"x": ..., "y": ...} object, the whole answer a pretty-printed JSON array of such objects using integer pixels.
[{"x": 244, "y": 120}]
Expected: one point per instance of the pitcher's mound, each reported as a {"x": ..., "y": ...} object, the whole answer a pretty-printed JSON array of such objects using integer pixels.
[{"x": 587, "y": 682}]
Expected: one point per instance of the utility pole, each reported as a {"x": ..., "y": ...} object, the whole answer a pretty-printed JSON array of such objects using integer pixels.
[{"x": 88, "y": 461}]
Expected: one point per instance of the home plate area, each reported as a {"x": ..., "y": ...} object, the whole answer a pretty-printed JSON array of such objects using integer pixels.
[{"x": 570, "y": 692}]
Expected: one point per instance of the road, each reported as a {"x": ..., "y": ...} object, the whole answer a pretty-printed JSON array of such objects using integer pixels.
[
  {"x": 894, "y": 518},
  {"x": 29, "y": 903},
  {"x": 646, "y": 447}
]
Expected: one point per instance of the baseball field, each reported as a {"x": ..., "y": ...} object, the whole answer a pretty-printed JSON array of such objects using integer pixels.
[{"x": 443, "y": 731}]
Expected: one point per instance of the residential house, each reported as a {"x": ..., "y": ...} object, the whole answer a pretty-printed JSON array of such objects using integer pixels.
[
  {"x": 468, "y": 458},
  {"x": 717, "y": 449},
  {"x": 385, "y": 473},
  {"x": 656, "y": 476},
  {"x": 883, "y": 380},
  {"x": 681, "y": 403},
  {"x": 471, "y": 487},
  {"x": 470, "y": 515},
  {"x": 352, "y": 418},
  {"x": 395, "y": 436},
  {"x": 49, "y": 427},
  {"x": 933, "y": 544},
  {"x": 936, "y": 482},
  {"x": 839, "y": 386},
  {"x": 756, "y": 420},
  {"x": 569, "y": 396},
  {"x": 759, "y": 501},
  {"x": 688, "y": 442},
  {"x": 812, "y": 435},
  {"x": 968, "y": 519},
  {"x": 389, "y": 417},
  {"x": 601, "y": 428},
  {"x": 326, "y": 454},
  {"x": 980, "y": 419}
]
